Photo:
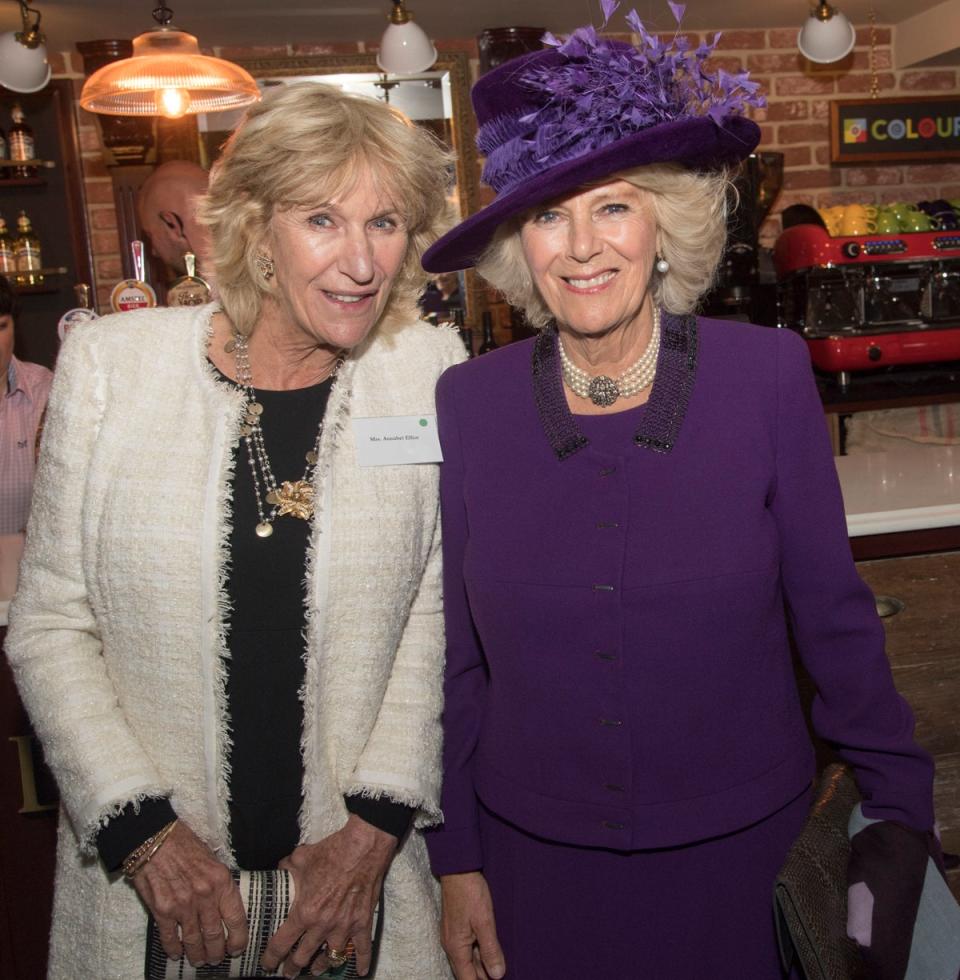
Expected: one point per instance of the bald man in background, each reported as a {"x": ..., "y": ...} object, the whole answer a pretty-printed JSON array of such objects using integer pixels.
[{"x": 167, "y": 209}]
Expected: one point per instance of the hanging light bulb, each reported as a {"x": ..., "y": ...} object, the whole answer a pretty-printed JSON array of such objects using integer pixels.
[
  {"x": 405, "y": 48},
  {"x": 23, "y": 55},
  {"x": 173, "y": 102},
  {"x": 826, "y": 36},
  {"x": 167, "y": 75}
]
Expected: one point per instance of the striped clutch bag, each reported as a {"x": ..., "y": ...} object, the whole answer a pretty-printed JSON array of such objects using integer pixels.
[{"x": 267, "y": 897}]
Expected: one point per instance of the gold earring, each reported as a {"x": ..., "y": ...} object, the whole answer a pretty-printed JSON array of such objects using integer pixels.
[{"x": 265, "y": 265}]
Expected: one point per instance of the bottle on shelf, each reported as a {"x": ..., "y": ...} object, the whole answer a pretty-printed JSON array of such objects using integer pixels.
[
  {"x": 466, "y": 334},
  {"x": 26, "y": 253},
  {"x": 8, "y": 264},
  {"x": 4, "y": 155},
  {"x": 487, "y": 343},
  {"x": 22, "y": 146}
]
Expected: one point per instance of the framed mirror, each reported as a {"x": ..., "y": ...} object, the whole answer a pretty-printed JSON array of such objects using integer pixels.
[{"x": 438, "y": 99}]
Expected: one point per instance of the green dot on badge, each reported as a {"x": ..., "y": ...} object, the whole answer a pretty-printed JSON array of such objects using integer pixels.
[{"x": 424, "y": 422}]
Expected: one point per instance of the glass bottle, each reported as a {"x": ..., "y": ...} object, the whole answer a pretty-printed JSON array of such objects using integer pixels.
[
  {"x": 4, "y": 155},
  {"x": 26, "y": 253},
  {"x": 466, "y": 334},
  {"x": 8, "y": 265},
  {"x": 21, "y": 142},
  {"x": 487, "y": 343}
]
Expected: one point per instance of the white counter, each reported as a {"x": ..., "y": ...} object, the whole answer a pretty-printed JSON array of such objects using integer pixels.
[{"x": 908, "y": 489}]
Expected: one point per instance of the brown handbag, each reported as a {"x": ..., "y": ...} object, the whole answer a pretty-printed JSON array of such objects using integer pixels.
[{"x": 810, "y": 895}]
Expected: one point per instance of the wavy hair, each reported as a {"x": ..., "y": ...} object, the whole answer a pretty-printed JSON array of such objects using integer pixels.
[
  {"x": 690, "y": 210},
  {"x": 306, "y": 144}
]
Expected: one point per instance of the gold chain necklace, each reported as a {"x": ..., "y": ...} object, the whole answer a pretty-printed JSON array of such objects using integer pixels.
[{"x": 290, "y": 497}]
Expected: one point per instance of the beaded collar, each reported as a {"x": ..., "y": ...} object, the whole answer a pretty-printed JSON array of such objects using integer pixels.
[{"x": 665, "y": 409}]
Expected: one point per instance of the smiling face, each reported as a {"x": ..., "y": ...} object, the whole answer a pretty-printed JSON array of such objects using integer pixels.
[
  {"x": 591, "y": 256},
  {"x": 335, "y": 264}
]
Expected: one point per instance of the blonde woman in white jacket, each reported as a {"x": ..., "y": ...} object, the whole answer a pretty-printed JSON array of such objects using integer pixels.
[{"x": 228, "y": 631}]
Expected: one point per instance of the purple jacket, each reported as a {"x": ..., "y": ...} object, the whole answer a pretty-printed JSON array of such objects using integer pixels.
[{"x": 644, "y": 697}]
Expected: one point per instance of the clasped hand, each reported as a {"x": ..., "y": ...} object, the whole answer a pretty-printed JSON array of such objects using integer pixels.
[
  {"x": 337, "y": 884},
  {"x": 192, "y": 896}
]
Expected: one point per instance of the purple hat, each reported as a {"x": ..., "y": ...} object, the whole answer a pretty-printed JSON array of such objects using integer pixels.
[{"x": 584, "y": 109}]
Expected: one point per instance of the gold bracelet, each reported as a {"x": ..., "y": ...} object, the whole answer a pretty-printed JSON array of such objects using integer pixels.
[{"x": 138, "y": 858}]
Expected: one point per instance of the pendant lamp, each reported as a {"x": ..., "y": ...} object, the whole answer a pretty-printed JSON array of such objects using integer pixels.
[
  {"x": 167, "y": 76},
  {"x": 405, "y": 48},
  {"x": 23, "y": 55},
  {"x": 826, "y": 36}
]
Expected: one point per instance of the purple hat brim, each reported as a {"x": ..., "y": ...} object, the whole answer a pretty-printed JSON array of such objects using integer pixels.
[{"x": 698, "y": 143}]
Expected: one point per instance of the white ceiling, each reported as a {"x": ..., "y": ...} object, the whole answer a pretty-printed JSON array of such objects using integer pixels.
[{"x": 234, "y": 22}]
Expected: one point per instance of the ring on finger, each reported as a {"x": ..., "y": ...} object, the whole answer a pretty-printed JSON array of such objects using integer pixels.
[{"x": 336, "y": 957}]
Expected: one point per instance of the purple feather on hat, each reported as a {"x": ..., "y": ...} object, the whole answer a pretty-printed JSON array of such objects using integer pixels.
[{"x": 602, "y": 91}]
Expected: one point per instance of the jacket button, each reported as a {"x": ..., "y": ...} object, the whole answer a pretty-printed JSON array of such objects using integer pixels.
[
  {"x": 603, "y": 588},
  {"x": 611, "y": 825},
  {"x": 604, "y": 524},
  {"x": 608, "y": 471},
  {"x": 603, "y": 655},
  {"x": 615, "y": 788},
  {"x": 611, "y": 722}
]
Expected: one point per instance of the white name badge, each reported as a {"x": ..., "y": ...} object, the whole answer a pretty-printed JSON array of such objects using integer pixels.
[{"x": 397, "y": 440}]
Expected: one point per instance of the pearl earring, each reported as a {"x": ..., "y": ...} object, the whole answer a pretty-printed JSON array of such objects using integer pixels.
[{"x": 663, "y": 266}]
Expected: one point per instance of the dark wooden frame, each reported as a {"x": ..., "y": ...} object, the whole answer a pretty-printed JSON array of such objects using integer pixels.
[
  {"x": 904, "y": 156},
  {"x": 63, "y": 95}
]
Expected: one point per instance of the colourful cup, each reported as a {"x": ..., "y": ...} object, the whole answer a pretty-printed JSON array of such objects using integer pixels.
[
  {"x": 915, "y": 221},
  {"x": 860, "y": 211},
  {"x": 901, "y": 209},
  {"x": 887, "y": 223},
  {"x": 857, "y": 224},
  {"x": 832, "y": 218}
]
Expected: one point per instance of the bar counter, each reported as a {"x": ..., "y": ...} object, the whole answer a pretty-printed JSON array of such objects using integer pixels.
[{"x": 902, "y": 502}]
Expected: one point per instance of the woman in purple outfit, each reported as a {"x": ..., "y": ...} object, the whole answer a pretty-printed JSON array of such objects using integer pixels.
[{"x": 630, "y": 501}]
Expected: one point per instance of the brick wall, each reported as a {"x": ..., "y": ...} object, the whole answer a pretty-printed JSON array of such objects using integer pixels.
[
  {"x": 97, "y": 186},
  {"x": 795, "y": 123},
  {"x": 796, "y": 120}
]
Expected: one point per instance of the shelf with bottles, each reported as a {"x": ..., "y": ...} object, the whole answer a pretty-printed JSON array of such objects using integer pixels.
[
  {"x": 9, "y": 167},
  {"x": 38, "y": 131},
  {"x": 45, "y": 280}
]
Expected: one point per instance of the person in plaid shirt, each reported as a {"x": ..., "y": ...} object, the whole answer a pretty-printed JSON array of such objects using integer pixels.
[{"x": 24, "y": 388}]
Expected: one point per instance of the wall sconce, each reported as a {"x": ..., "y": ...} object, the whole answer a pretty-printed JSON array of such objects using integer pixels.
[
  {"x": 23, "y": 55},
  {"x": 827, "y": 35},
  {"x": 167, "y": 76},
  {"x": 405, "y": 48}
]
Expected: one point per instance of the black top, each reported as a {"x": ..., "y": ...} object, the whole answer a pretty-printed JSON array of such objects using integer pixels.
[{"x": 266, "y": 666}]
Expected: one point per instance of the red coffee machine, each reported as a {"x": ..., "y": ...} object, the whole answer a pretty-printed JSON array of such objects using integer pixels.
[{"x": 866, "y": 302}]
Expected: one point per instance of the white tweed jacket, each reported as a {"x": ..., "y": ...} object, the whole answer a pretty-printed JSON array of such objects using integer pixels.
[{"x": 117, "y": 632}]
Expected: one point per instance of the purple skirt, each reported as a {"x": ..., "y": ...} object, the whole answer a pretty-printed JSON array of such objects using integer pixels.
[{"x": 680, "y": 913}]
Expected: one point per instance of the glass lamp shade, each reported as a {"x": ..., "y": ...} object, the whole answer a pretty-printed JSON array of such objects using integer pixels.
[
  {"x": 22, "y": 69},
  {"x": 405, "y": 49},
  {"x": 824, "y": 41},
  {"x": 168, "y": 76}
]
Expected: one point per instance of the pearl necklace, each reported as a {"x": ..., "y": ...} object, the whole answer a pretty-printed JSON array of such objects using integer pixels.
[
  {"x": 293, "y": 497},
  {"x": 604, "y": 391}
]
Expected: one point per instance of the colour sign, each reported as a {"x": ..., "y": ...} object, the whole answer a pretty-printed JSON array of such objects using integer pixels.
[{"x": 922, "y": 128}]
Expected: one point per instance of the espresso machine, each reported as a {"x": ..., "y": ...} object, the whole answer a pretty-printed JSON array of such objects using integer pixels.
[
  {"x": 872, "y": 301},
  {"x": 742, "y": 289}
]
